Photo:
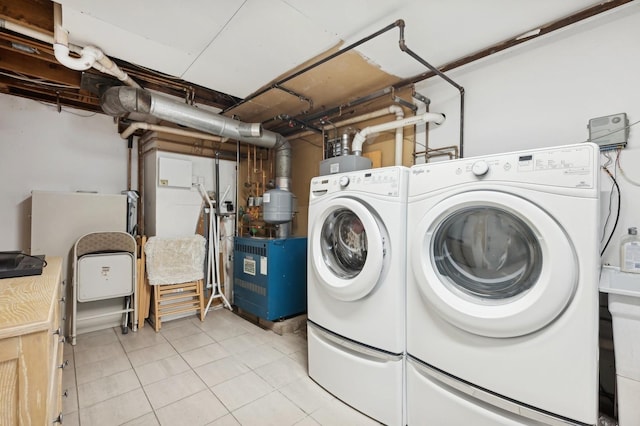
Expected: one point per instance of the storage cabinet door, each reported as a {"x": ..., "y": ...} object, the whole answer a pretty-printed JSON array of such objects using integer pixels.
[{"x": 24, "y": 379}]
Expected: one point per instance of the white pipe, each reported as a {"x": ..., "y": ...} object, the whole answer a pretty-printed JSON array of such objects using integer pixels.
[
  {"x": 360, "y": 137},
  {"x": 61, "y": 45},
  {"x": 29, "y": 32},
  {"x": 421, "y": 129},
  {"x": 106, "y": 65},
  {"x": 90, "y": 56},
  {"x": 353, "y": 120},
  {"x": 148, "y": 126},
  {"x": 399, "y": 135}
]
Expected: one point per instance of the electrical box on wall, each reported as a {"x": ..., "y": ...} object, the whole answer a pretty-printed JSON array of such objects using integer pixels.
[
  {"x": 174, "y": 173},
  {"x": 610, "y": 132}
]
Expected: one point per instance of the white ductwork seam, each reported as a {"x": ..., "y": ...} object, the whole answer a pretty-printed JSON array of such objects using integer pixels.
[{"x": 361, "y": 137}]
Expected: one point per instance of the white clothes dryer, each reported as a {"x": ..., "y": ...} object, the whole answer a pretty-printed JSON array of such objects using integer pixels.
[
  {"x": 502, "y": 289},
  {"x": 356, "y": 288}
]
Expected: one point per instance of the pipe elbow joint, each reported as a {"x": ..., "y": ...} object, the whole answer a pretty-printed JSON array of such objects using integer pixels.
[
  {"x": 397, "y": 110},
  {"x": 92, "y": 52},
  {"x": 356, "y": 144},
  {"x": 84, "y": 62}
]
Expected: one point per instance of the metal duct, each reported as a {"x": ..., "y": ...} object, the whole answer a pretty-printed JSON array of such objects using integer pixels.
[{"x": 122, "y": 100}]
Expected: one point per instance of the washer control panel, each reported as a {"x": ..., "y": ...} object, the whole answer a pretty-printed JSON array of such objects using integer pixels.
[
  {"x": 388, "y": 181},
  {"x": 569, "y": 166}
]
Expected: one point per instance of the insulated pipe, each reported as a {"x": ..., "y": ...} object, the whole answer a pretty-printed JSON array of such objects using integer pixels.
[{"x": 359, "y": 139}]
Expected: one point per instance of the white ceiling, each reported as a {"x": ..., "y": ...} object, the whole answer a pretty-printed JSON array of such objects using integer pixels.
[{"x": 238, "y": 46}]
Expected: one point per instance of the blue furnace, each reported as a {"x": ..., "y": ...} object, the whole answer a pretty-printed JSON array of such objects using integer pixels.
[{"x": 270, "y": 276}]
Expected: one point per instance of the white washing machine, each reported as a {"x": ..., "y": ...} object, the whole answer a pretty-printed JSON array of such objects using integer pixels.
[
  {"x": 356, "y": 288},
  {"x": 502, "y": 289}
]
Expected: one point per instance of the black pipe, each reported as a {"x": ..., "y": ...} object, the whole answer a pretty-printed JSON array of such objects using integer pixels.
[
  {"x": 297, "y": 95},
  {"x": 326, "y": 113},
  {"x": 404, "y": 48},
  {"x": 318, "y": 63}
]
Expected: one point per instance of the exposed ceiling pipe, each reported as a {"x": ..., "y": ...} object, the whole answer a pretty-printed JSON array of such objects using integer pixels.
[
  {"x": 315, "y": 64},
  {"x": 121, "y": 100},
  {"x": 26, "y": 31},
  {"x": 399, "y": 112},
  {"x": 129, "y": 131},
  {"x": 403, "y": 46},
  {"x": 420, "y": 138},
  {"x": 90, "y": 56},
  {"x": 353, "y": 120},
  {"x": 361, "y": 136}
]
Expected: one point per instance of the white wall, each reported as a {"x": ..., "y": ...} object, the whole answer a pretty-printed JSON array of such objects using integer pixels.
[
  {"x": 42, "y": 149},
  {"x": 543, "y": 93}
]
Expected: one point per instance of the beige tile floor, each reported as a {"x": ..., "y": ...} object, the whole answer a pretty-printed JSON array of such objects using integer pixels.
[{"x": 223, "y": 371}]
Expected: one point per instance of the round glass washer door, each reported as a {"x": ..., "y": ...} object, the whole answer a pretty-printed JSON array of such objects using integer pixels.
[
  {"x": 347, "y": 249},
  {"x": 493, "y": 264}
]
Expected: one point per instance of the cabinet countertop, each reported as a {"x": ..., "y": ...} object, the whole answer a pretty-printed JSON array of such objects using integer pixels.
[{"x": 25, "y": 302}]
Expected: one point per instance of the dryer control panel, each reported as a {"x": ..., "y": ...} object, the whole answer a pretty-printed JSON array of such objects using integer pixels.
[
  {"x": 569, "y": 166},
  {"x": 386, "y": 181}
]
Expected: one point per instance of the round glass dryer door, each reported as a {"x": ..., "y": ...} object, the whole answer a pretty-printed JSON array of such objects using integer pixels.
[
  {"x": 487, "y": 252},
  {"x": 347, "y": 249},
  {"x": 493, "y": 264}
]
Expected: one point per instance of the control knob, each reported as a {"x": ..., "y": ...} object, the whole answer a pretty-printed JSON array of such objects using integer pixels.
[
  {"x": 344, "y": 181},
  {"x": 480, "y": 168}
]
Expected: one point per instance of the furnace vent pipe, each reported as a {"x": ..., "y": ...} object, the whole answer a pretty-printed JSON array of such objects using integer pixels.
[
  {"x": 122, "y": 100},
  {"x": 361, "y": 136}
]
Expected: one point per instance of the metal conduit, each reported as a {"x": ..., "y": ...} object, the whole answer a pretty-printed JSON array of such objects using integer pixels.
[
  {"x": 316, "y": 64},
  {"x": 404, "y": 48}
]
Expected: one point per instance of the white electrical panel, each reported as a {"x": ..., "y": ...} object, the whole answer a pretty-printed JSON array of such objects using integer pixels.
[
  {"x": 610, "y": 132},
  {"x": 174, "y": 172}
]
